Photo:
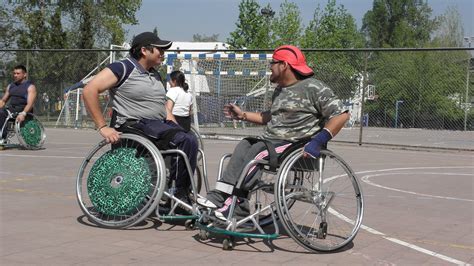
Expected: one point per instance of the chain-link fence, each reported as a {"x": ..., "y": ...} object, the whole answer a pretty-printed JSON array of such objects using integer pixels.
[{"x": 414, "y": 97}]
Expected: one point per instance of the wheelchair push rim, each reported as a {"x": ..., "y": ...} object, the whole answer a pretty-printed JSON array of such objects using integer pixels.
[
  {"x": 30, "y": 132},
  {"x": 319, "y": 216},
  {"x": 119, "y": 185}
]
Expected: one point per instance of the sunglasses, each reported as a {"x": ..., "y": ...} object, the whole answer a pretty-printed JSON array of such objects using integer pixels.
[{"x": 271, "y": 63}]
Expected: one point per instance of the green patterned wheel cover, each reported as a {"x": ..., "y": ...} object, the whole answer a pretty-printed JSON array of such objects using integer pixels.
[
  {"x": 118, "y": 181},
  {"x": 31, "y": 132}
]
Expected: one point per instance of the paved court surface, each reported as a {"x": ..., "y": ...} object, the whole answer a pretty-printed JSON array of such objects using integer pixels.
[{"x": 419, "y": 210}]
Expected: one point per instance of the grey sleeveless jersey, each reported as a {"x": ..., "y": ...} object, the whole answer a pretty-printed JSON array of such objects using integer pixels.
[{"x": 139, "y": 94}]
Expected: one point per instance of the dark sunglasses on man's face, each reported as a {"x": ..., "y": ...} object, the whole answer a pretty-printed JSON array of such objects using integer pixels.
[{"x": 271, "y": 63}]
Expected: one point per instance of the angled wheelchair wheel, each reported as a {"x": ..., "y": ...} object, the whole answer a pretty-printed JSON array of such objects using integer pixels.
[
  {"x": 30, "y": 132},
  {"x": 323, "y": 211},
  {"x": 197, "y": 180},
  {"x": 119, "y": 185},
  {"x": 198, "y": 136}
]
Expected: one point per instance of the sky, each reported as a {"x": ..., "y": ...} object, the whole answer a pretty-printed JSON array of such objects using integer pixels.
[{"x": 178, "y": 20}]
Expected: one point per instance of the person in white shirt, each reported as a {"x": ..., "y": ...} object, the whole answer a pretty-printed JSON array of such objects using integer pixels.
[{"x": 179, "y": 101}]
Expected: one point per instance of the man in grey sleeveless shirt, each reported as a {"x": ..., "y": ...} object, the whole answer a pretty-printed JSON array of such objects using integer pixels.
[{"x": 137, "y": 94}]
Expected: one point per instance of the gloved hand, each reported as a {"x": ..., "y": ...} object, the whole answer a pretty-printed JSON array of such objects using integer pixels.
[{"x": 313, "y": 148}]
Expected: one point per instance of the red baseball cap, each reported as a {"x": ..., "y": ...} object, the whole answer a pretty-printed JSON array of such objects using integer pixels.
[{"x": 294, "y": 57}]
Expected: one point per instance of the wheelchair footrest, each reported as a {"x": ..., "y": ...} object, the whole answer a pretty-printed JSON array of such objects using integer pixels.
[{"x": 221, "y": 231}]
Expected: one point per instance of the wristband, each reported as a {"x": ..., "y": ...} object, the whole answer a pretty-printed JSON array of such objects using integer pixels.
[
  {"x": 323, "y": 137},
  {"x": 22, "y": 113}
]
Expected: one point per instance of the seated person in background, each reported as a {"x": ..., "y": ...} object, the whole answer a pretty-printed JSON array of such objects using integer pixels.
[
  {"x": 302, "y": 107},
  {"x": 179, "y": 101},
  {"x": 22, "y": 95},
  {"x": 138, "y": 100}
]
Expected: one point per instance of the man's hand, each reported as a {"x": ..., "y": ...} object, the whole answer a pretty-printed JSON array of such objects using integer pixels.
[
  {"x": 110, "y": 135},
  {"x": 313, "y": 148},
  {"x": 2, "y": 103},
  {"x": 21, "y": 117},
  {"x": 232, "y": 111}
]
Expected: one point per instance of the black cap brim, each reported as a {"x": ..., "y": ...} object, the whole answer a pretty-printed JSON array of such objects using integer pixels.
[{"x": 165, "y": 45}]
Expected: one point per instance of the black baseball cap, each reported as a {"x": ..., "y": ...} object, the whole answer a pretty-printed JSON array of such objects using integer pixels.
[{"x": 149, "y": 38}]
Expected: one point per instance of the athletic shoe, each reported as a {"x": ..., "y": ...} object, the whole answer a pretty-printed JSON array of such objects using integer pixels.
[
  {"x": 206, "y": 203},
  {"x": 241, "y": 209},
  {"x": 213, "y": 200}
]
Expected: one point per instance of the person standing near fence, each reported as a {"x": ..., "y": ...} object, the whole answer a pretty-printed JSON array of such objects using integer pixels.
[
  {"x": 138, "y": 100},
  {"x": 302, "y": 107},
  {"x": 21, "y": 94},
  {"x": 179, "y": 101}
]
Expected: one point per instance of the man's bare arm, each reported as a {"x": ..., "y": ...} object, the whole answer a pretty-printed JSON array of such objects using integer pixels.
[{"x": 100, "y": 83}]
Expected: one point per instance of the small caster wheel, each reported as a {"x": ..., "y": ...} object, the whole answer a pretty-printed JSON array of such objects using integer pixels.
[
  {"x": 323, "y": 230},
  {"x": 228, "y": 244},
  {"x": 203, "y": 235},
  {"x": 190, "y": 224}
]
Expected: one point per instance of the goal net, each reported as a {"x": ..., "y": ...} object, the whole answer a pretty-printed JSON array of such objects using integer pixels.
[{"x": 219, "y": 79}]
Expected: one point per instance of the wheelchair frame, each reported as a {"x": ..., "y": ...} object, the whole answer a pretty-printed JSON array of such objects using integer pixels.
[
  {"x": 333, "y": 226},
  {"x": 30, "y": 132}
]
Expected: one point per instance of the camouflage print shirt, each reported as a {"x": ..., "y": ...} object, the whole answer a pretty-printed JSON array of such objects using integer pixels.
[{"x": 300, "y": 110}]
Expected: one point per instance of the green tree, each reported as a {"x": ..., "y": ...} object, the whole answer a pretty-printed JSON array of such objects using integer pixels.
[
  {"x": 287, "y": 27},
  {"x": 252, "y": 29},
  {"x": 204, "y": 38},
  {"x": 398, "y": 23},
  {"x": 7, "y": 30},
  {"x": 334, "y": 27}
]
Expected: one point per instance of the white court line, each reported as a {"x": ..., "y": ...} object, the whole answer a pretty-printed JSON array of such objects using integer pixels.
[
  {"x": 398, "y": 241},
  {"x": 395, "y": 240},
  {"x": 366, "y": 180}
]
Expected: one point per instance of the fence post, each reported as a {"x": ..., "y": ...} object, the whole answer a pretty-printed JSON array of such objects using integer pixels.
[
  {"x": 466, "y": 106},
  {"x": 364, "y": 84}
]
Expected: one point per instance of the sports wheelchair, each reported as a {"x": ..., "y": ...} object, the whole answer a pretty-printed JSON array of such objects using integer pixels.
[
  {"x": 30, "y": 132},
  {"x": 318, "y": 201},
  {"x": 119, "y": 185}
]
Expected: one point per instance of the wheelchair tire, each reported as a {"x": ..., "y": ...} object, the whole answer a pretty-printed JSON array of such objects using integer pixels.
[
  {"x": 119, "y": 185},
  {"x": 30, "y": 132},
  {"x": 198, "y": 137},
  {"x": 197, "y": 180},
  {"x": 319, "y": 216}
]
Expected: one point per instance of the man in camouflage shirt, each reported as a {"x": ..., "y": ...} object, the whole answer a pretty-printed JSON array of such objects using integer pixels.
[{"x": 302, "y": 107}]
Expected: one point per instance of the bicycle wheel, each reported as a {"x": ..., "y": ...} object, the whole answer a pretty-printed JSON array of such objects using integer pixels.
[
  {"x": 323, "y": 212},
  {"x": 30, "y": 132},
  {"x": 119, "y": 185}
]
